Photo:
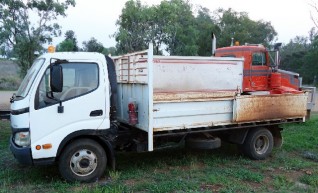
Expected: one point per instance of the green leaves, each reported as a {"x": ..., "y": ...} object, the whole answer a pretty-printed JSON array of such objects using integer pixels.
[
  {"x": 69, "y": 44},
  {"x": 301, "y": 55},
  {"x": 239, "y": 26},
  {"x": 17, "y": 32},
  {"x": 173, "y": 27},
  {"x": 93, "y": 46}
]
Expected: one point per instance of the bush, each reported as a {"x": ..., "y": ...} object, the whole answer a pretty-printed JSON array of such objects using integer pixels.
[{"x": 9, "y": 83}]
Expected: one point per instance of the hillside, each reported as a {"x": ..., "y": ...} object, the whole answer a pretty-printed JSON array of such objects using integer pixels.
[{"x": 9, "y": 75}]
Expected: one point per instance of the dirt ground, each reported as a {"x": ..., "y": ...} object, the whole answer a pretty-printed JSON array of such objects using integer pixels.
[{"x": 6, "y": 95}]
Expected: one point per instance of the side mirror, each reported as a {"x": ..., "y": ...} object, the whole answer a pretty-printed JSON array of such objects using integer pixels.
[{"x": 56, "y": 78}]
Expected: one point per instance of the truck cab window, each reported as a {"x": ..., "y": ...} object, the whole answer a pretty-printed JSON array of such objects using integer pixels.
[
  {"x": 259, "y": 59},
  {"x": 78, "y": 79}
]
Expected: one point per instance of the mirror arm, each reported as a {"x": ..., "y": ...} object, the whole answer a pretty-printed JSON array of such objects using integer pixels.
[{"x": 60, "y": 108}]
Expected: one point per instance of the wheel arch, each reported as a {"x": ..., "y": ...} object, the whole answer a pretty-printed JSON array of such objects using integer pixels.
[
  {"x": 277, "y": 136},
  {"x": 94, "y": 135},
  {"x": 239, "y": 136}
]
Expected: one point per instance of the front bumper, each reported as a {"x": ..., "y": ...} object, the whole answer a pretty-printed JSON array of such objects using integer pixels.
[{"x": 22, "y": 154}]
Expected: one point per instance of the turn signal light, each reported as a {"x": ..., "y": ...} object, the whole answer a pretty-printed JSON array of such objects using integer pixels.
[
  {"x": 47, "y": 146},
  {"x": 51, "y": 49},
  {"x": 38, "y": 147}
]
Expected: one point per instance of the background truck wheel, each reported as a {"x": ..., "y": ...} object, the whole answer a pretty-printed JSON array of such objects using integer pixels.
[
  {"x": 83, "y": 160},
  {"x": 201, "y": 143},
  {"x": 258, "y": 144}
]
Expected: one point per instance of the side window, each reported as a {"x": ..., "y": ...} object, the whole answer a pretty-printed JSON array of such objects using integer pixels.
[
  {"x": 78, "y": 79},
  {"x": 259, "y": 59}
]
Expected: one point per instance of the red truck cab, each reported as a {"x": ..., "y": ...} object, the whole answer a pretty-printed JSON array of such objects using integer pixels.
[{"x": 260, "y": 73}]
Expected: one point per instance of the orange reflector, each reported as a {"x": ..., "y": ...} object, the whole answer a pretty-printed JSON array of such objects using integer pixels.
[
  {"x": 38, "y": 147},
  {"x": 47, "y": 146}
]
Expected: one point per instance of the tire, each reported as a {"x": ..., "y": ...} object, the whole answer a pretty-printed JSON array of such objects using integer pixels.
[
  {"x": 83, "y": 160},
  {"x": 199, "y": 143},
  {"x": 258, "y": 144}
]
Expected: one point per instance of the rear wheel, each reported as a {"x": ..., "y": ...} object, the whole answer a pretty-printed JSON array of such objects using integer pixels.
[
  {"x": 83, "y": 160},
  {"x": 258, "y": 144}
]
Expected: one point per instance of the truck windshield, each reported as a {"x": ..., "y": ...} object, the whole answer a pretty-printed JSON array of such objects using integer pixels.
[{"x": 29, "y": 78}]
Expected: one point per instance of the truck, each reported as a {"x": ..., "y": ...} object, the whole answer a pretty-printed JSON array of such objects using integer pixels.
[{"x": 77, "y": 109}]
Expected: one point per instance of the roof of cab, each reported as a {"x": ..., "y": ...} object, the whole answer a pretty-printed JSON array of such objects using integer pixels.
[{"x": 74, "y": 55}]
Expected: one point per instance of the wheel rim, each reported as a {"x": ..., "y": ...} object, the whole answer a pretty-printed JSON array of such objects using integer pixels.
[
  {"x": 261, "y": 144},
  {"x": 83, "y": 162}
]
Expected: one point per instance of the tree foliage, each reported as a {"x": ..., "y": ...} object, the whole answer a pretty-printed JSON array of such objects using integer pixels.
[
  {"x": 239, "y": 26},
  {"x": 170, "y": 23},
  {"x": 17, "y": 32},
  {"x": 173, "y": 27},
  {"x": 178, "y": 24},
  {"x": 207, "y": 25},
  {"x": 133, "y": 27},
  {"x": 65, "y": 46},
  {"x": 93, "y": 45},
  {"x": 69, "y": 44},
  {"x": 110, "y": 51},
  {"x": 301, "y": 55}
]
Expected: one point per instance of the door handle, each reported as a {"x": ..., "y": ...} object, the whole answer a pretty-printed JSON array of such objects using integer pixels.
[{"x": 96, "y": 113}]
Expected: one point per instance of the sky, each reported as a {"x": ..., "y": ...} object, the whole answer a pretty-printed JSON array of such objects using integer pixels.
[{"x": 97, "y": 18}]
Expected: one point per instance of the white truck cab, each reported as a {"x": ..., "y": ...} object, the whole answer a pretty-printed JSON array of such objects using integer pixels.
[{"x": 42, "y": 119}]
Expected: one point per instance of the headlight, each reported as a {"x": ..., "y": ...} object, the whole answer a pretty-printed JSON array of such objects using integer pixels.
[{"x": 22, "y": 139}]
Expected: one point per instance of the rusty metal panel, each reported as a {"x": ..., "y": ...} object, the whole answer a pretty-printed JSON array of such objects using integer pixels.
[{"x": 249, "y": 108}]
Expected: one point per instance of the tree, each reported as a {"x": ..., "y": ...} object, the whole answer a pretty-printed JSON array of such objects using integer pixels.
[
  {"x": 93, "y": 45},
  {"x": 69, "y": 43},
  {"x": 293, "y": 54},
  {"x": 133, "y": 25},
  {"x": 17, "y": 32},
  {"x": 310, "y": 67},
  {"x": 314, "y": 13},
  {"x": 172, "y": 26},
  {"x": 178, "y": 27},
  {"x": 70, "y": 36},
  {"x": 110, "y": 51},
  {"x": 65, "y": 46},
  {"x": 300, "y": 55},
  {"x": 206, "y": 25},
  {"x": 239, "y": 26}
]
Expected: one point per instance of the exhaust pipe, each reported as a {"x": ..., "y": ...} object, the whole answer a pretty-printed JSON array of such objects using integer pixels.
[
  {"x": 277, "y": 54},
  {"x": 213, "y": 44}
]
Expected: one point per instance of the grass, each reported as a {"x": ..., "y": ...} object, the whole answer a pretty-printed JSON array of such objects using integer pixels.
[{"x": 292, "y": 168}]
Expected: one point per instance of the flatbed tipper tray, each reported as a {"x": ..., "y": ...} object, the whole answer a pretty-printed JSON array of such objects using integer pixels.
[{"x": 176, "y": 93}]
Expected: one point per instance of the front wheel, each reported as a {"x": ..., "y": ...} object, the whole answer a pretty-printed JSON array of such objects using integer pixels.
[
  {"x": 258, "y": 144},
  {"x": 83, "y": 160}
]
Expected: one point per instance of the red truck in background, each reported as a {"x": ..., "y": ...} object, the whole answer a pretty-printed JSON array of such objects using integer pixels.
[{"x": 261, "y": 71}]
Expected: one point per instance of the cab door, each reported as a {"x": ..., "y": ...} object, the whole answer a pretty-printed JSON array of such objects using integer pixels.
[
  {"x": 83, "y": 101},
  {"x": 259, "y": 72}
]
